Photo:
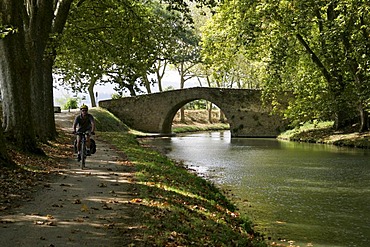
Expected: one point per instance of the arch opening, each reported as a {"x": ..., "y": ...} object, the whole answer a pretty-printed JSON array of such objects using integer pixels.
[{"x": 198, "y": 111}]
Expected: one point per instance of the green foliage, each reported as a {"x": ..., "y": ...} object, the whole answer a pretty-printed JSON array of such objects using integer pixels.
[
  {"x": 305, "y": 127},
  {"x": 316, "y": 50},
  {"x": 226, "y": 60},
  {"x": 203, "y": 127},
  {"x": 123, "y": 45},
  {"x": 72, "y": 103},
  {"x": 169, "y": 88},
  {"x": 116, "y": 96},
  {"x": 6, "y": 30},
  {"x": 196, "y": 105}
]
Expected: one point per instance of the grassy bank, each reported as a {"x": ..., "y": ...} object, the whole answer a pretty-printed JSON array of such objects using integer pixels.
[
  {"x": 184, "y": 128},
  {"x": 198, "y": 120},
  {"x": 178, "y": 208},
  {"x": 323, "y": 133}
]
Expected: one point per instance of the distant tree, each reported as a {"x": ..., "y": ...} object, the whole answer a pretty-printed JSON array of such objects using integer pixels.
[{"x": 130, "y": 42}]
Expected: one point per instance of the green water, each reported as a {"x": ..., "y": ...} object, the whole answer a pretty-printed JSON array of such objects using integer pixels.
[{"x": 311, "y": 194}]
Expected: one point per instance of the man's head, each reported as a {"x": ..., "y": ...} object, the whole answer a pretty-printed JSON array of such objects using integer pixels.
[{"x": 84, "y": 109}]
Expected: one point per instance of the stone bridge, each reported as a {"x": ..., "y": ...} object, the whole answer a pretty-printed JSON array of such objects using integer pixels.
[{"x": 154, "y": 113}]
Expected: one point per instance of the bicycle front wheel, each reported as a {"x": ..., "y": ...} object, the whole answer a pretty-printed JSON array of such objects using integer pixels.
[{"x": 83, "y": 154}]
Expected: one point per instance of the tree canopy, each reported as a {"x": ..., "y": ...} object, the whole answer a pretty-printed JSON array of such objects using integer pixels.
[
  {"x": 30, "y": 33},
  {"x": 318, "y": 50},
  {"x": 129, "y": 43}
]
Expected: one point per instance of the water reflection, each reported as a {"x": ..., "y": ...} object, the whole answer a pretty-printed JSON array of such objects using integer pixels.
[{"x": 317, "y": 194}]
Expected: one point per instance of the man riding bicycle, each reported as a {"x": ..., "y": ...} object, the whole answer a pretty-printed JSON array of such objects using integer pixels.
[{"x": 85, "y": 123}]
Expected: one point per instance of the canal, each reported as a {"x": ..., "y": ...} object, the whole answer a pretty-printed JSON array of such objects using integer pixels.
[{"x": 310, "y": 194}]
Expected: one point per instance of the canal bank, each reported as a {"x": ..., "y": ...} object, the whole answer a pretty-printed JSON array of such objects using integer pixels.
[
  {"x": 323, "y": 133},
  {"x": 298, "y": 194},
  {"x": 320, "y": 133},
  {"x": 279, "y": 222},
  {"x": 176, "y": 207}
]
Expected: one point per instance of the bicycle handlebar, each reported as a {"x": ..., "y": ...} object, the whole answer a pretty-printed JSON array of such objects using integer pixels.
[{"x": 80, "y": 133}]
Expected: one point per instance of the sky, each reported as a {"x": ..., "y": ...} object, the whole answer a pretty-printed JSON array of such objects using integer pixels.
[{"x": 171, "y": 78}]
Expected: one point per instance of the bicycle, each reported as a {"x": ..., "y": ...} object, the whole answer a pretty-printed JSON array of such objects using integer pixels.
[{"x": 83, "y": 149}]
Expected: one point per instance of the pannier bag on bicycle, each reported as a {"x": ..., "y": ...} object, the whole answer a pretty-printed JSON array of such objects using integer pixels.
[{"x": 92, "y": 146}]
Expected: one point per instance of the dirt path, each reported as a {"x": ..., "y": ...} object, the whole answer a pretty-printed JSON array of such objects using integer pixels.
[{"x": 87, "y": 207}]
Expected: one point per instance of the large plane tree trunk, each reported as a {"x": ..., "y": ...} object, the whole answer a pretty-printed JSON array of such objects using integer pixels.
[
  {"x": 27, "y": 58},
  {"x": 15, "y": 71}
]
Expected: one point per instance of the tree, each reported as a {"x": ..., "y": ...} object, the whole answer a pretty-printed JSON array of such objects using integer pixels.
[
  {"x": 127, "y": 52},
  {"x": 26, "y": 69},
  {"x": 225, "y": 59},
  {"x": 314, "y": 49},
  {"x": 27, "y": 56}
]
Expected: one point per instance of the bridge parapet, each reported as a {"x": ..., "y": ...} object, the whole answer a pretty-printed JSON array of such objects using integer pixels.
[{"x": 154, "y": 113}]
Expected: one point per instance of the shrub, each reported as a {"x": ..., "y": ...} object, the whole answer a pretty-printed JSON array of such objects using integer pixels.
[{"x": 72, "y": 103}]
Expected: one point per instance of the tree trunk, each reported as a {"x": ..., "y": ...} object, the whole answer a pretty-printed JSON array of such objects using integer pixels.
[
  {"x": 210, "y": 113},
  {"x": 222, "y": 117},
  {"x": 364, "y": 120},
  {"x": 160, "y": 74},
  {"x": 182, "y": 84},
  {"x": 90, "y": 89},
  {"x": 15, "y": 74},
  {"x": 4, "y": 157},
  {"x": 147, "y": 83},
  {"x": 37, "y": 33},
  {"x": 131, "y": 89},
  {"x": 50, "y": 129},
  {"x": 25, "y": 76},
  {"x": 182, "y": 115},
  {"x": 38, "y": 103}
]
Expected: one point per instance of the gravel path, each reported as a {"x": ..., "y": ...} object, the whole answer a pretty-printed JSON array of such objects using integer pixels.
[{"x": 89, "y": 207}]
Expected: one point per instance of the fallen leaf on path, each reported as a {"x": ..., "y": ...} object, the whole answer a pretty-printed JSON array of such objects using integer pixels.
[
  {"x": 79, "y": 220},
  {"x": 77, "y": 201},
  {"x": 67, "y": 185},
  {"x": 109, "y": 226},
  {"x": 84, "y": 208},
  {"x": 7, "y": 221},
  {"x": 136, "y": 200},
  {"x": 50, "y": 223},
  {"x": 113, "y": 201},
  {"x": 106, "y": 207}
]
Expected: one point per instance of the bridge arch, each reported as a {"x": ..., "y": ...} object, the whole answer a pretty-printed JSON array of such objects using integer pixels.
[
  {"x": 154, "y": 113},
  {"x": 168, "y": 120}
]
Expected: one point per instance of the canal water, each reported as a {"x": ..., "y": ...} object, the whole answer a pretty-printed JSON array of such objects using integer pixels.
[{"x": 309, "y": 194}]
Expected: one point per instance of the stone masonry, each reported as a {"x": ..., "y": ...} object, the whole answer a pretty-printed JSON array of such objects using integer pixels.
[{"x": 153, "y": 113}]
